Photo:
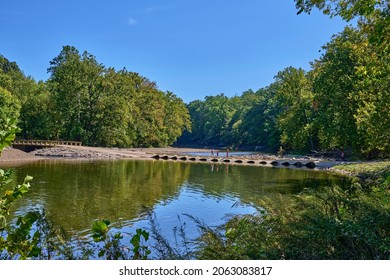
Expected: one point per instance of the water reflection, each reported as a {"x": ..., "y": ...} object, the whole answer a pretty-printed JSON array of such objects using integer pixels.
[{"x": 75, "y": 193}]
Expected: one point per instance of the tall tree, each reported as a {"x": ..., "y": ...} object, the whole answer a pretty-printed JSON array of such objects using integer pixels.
[
  {"x": 76, "y": 85},
  {"x": 335, "y": 87},
  {"x": 294, "y": 96},
  {"x": 176, "y": 118}
]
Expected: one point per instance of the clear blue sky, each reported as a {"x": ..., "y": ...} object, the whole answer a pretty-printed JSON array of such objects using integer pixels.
[{"x": 193, "y": 48}]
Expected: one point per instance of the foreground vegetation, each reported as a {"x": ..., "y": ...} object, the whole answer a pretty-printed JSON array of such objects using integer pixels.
[{"x": 351, "y": 221}]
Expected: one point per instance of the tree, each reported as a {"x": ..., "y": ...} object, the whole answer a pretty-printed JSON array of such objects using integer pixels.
[
  {"x": 346, "y": 9},
  {"x": 9, "y": 108},
  {"x": 258, "y": 127},
  {"x": 36, "y": 115},
  {"x": 176, "y": 119},
  {"x": 335, "y": 88},
  {"x": 351, "y": 89},
  {"x": 102, "y": 106},
  {"x": 76, "y": 86},
  {"x": 294, "y": 95}
]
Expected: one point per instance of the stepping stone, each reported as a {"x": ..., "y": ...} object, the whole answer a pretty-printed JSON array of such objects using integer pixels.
[{"x": 310, "y": 164}]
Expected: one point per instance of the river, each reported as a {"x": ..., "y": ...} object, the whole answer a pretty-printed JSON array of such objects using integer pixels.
[{"x": 75, "y": 193}]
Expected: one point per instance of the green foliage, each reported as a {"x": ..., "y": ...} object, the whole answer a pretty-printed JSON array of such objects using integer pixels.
[
  {"x": 19, "y": 242},
  {"x": 10, "y": 195},
  {"x": 351, "y": 94},
  {"x": 101, "y": 106},
  {"x": 338, "y": 223},
  {"x": 99, "y": 230},
  {"x": 341, "y": 104},
  {"x": 246, "y": 120},
  {"x": 36, "y": 116},
  {"x": 334, "y": 84},
  {"x": 295, "y": 97},
  {"x": 85, "y": 101},
  {"x": 16, "y": 240},
  {"x": 140, "y": 251},
  {"x": 9, "y": 109},
  {"x": 346, "y": 9},
  {"x": 7, "y": 133},
  {"x": 113, "y": 249}
]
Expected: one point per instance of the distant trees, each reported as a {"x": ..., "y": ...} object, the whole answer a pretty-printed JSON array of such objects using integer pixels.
[
  {"x": 9, "y": 104},
  {"x": 294, "y": 97},
  {"x": 341, "y": 103},
  {"x": 85, "y": 101}
]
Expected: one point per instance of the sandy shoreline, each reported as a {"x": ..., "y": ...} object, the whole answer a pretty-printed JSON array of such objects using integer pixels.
[
  {"x": 84, "y": 152},
  {"x": 11, "y": 156}
]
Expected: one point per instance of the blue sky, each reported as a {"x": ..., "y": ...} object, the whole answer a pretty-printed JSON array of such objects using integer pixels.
[{"x": 193, "y": 48}]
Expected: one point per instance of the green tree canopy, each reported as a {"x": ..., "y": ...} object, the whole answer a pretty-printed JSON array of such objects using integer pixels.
[{"x": 347, "y": 9}]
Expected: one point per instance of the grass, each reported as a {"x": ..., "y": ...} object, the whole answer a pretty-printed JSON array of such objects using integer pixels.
[
  {"x": 368, "y": 172},
  {"x": 365, "y": 167}
]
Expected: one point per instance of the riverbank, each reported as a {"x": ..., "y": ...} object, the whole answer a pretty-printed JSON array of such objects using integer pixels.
[
  {"x": 204, "y": 155},
  {"x": 15, "y": 155},
  {"x": 11, "y": 155},
  {"x": 369, "y": 173}
]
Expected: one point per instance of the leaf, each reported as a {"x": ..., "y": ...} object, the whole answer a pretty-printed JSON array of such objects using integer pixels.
[
  {"x": 35, "y": 252},
  {"x": 101, "y": 254},
  {"x": 99, "y": 230},
  {"x": 23, "y": 189},
  {"x": 28, "y": 178},
  {"x": 3, "y": 222}
]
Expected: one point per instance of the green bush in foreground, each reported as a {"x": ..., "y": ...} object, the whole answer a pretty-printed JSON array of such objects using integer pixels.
[{"x": 339, "y": 223}]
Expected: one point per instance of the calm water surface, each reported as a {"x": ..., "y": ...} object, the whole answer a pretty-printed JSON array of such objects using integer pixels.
[{"x": 76, "y": 193}]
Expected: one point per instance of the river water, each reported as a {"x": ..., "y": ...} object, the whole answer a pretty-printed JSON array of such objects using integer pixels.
[{"x": 76, "y": 193}]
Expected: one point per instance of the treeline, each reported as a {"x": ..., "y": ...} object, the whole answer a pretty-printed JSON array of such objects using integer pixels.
[
  {"x": 342, "y": 103},
  {"x": 85, "y": 101}
]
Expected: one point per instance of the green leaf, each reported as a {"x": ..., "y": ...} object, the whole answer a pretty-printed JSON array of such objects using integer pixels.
[
  {"x": 3, "y": 222},
  {"x": 99, "y": 230},
  {"x": 28, "y": 178},
  {"x": 35, "y": 252},
  {"x": 23, "y": 189}
]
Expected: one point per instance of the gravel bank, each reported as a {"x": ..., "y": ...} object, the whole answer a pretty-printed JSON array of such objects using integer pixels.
[{"x": 15, "y": 155}]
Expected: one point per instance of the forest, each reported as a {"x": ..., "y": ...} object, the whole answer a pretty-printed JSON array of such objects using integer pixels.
[
  {"x": 340, "y": 104},
  {"x": 85, "y": 101}
]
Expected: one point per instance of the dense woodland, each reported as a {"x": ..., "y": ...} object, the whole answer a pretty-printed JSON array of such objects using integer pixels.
[
  {"x": 341, "y": 104},
  {"x": 86, "y": 101}
]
